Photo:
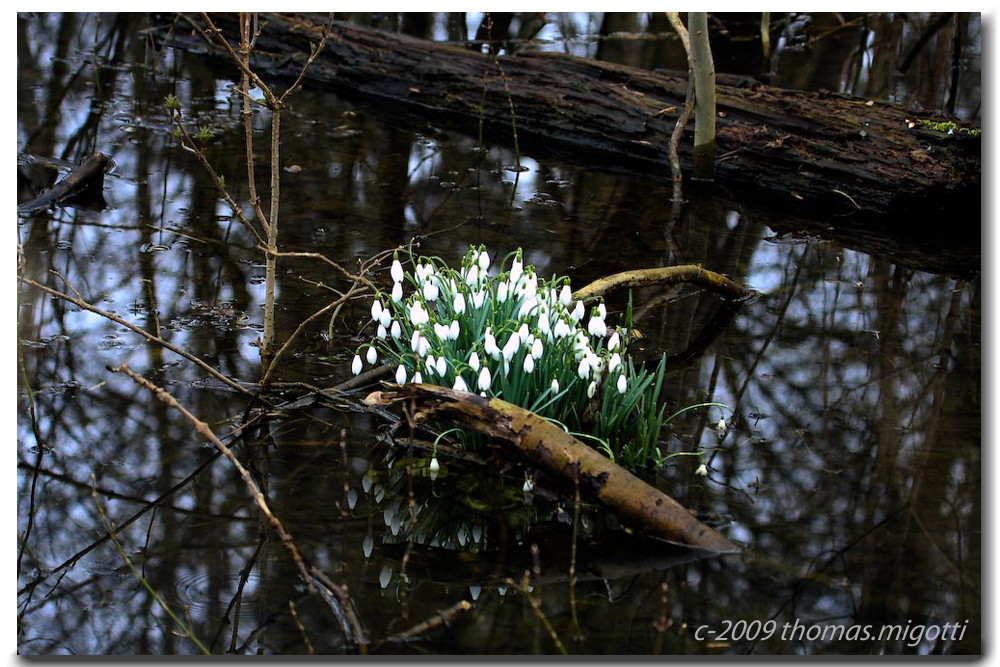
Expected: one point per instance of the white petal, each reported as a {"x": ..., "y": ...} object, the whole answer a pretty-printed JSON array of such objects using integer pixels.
[
  {"x": 356, "y": 364},
  {"x": 371, "y": 355},
  {"x": 484, "y": 260},
  {"x": 401, "y": 374},
  {"x": 592, "y": 389},
  {"x": 397, "y": 292},
  {"x": 396, "y": 271},
  {"x": 485, "y": 379},
  {"x": 622, "y": 384},
  {"x": 460, "y": 384},
  {"x": 441, "y": 366},
  {"x": 381, "y": 332},
  {"x": 376, "y": 309},
  {"x": 529, "y": 364},
  {"x": 474, "y": 360},
  {"x": 395, "y": 330}
]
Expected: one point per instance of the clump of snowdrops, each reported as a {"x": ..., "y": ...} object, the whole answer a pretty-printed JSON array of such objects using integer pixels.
[{"x": 522, "y": 338}]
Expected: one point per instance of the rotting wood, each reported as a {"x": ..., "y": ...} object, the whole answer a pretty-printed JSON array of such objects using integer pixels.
[
  {"x": 634, "y": 502},
  {"x": 668, "y": 275},
  {"x": 795, "y": 150}
]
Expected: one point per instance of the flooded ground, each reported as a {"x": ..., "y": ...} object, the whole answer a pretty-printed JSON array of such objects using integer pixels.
[{"x": 851, "y": 471}]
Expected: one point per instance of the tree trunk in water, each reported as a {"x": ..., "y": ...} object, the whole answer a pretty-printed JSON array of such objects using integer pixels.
[{"x": 704, "y": 96}]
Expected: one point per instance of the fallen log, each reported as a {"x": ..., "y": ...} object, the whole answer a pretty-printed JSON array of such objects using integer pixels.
[
  {"x": 804, "y": 151},
  {"x": 668, "y": 275},
  {"x": 635, "y": 502},
  {"x": 84, "y": 187}
]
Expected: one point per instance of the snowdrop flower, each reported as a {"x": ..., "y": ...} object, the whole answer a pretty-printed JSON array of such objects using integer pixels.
[
  {"x": 386, "y": 317},
  {"x": 622, "y": 384},
  {"x": 529, "y": 364},
  {"x": 474, "y": 361},
  {"x": 441, "y": 330},
  {"x": 478, "y": 298},
  {"x": 430, "y": 290},
  {"x": 522, "y": 331},
  {"x": 592, "y": 389},
  {"x": 490, "y": 345},
  {"x": 526, "y": 307},
  {"x": 356, "y": 364},
  {"x": 441, "y": 366},
  {"x": 544, "y": 326},
  {"x": 459, "y": 303},
  {"x": 423, "y": 347},
  {"x": 381, "y": 332},
  {"x": 472, "y": 278},
  {"x": 377, "y": 309},
  {"x": 511, "y": 346},
  {"x": 484, "y": 260},
  {"x": 614, "y": 342},
  {"x": 434, "y": 466},
  {"x": 401, "y": 374},
  {"x": 397, "y": 292},
  {"x": 561, "y": 329},
  {"x": 614, "y": 362},
  {"x": 371, "y": 355},
  {"x": 516, "y": 269},
  {"x": 565, "y": 296},
  {"x": 537, "y": 349},
  {"x": 602, "y": 312},
  {"x": 597, "y": 327},
  {"x": 395, "y": 330},
  {"x": 702, "y": 470},
  {"x": 722, "y": 426},
  {"x": 396, "y": 271},
  {"x": 418, "y": 314},
  {"x": 528, "y": 486},
  {"x": 430, "y": 365},
  {"x": 502, "y": 292},
  {"x": 460, "y": 384},
  {"x": 454, "y": 330},
  {"x": 485, "y": 379},
  {"x": 418, "y": 378},
  {"x": 583, "y": 370},
  {"x": 415, "y": 341},
  {"x": 578, "y": 312},
  {"x": 555, "y": 386}
]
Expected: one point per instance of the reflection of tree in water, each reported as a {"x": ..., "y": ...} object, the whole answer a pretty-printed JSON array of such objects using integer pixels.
[{"x": 853, "y": 466}]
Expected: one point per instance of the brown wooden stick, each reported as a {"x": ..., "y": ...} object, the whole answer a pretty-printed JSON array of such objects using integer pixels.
[
  {"x": 669, "y": 275},
  {"x": 634, "y": 501}
]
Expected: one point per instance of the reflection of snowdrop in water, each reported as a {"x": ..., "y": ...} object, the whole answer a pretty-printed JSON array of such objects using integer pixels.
[
  {"x": 385, "y": 576},
  {"x": 521, "y": 337}
]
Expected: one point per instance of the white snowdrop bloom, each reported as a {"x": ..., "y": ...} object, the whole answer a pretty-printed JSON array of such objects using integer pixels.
[
  {"x": 395, "y": 331},
  {"x": 453, "y": 286},
  {"x": 526, "y": 307},
  {"x": 418, "y": 314},
  {"x": 381, "y": 332},
  {"x": 385, "y": 318},
  {"x": 722, "y": 426},
  {"x": 537, "y": 348},
  {"x": 528, "y": 486},
  {"x": 597, "y": 327},
  {"x": 377, "y": 309},
  {"x": 578, "y": 312},
  {"x": 401, "y": 374},
  {"x": 472, "y": 278},
  {"x": 614, "y": 362},
  {"x": 356, "y": 364},
  {"x": 485, "y": 379},
  {"x": 441, "y": 330},
  {"x": 502, "y": 292},
  {"x": 415, "y": 341},
  {"x": 544, "y": 326},
  {"x": 592, "y": 389},
  {"x": 368, "y": 545},
  {"x": 622, "y": 384},
  {"x": 702, "y": 470},
  {"x": 396, "y": 271},
  {"x": 583, "y": 370},
  {"x": 478, "y": 298},
  {"x": 441, "y": 366},
  {"x": 371, "y": 355},
  {"x": 423, "y": 347},
  {"x": 561, "y": 329},
  {"x": 434, "y": 466},
  {"x": 430, "y": 290},
  {"x": 397, "y": 292},
  {"x": 602, "y": 311},
  {"x": 418, "y": 378},
  {"x": 459, "y": 303},
  {"x": 484, "y": 260},
  {"x": 430, "y": 365},
  {"x": 529, "y": 364},
  {"x": 614, "y": 342},
  {"x": 516, "y": 269},
  {"x": 454, "y": 330},
  {"x": 522, "y": 331},
  {"x": 490, "y": 345},
  {"x": 511, "y": 346},
  {"x": 460, "y": 384},
  {"x": 555, "y": 386},
  {"x": 566, "y": 296}
]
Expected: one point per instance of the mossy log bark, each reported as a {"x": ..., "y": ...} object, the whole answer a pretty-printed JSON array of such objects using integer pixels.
[
  {"x": 668, "y": 275},
  {"x": 805, "y": 151},
  {"x": 635, "y": 502}
]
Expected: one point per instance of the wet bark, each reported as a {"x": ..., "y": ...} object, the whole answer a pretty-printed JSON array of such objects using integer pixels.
[
  {"x": 548, "y": 446},
  {"x": 799, "y": 150}
]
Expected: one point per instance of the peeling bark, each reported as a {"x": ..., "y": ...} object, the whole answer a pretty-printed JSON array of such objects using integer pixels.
[{"x": 635, "y": 502}]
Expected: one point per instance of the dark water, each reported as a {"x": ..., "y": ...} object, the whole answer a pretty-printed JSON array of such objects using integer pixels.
[{"x": 851, "y": 473}]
